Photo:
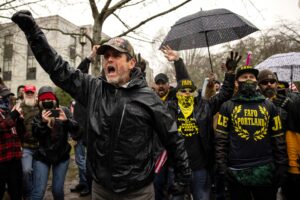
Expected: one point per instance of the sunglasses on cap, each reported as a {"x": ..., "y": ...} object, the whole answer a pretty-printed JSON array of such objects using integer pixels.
[
  {"x": 266, "y": 82},
  {"x": 186, "y": 90}
]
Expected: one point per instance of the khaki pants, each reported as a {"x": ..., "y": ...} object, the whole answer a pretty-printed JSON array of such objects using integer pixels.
[{"x": 100, "y": 193}]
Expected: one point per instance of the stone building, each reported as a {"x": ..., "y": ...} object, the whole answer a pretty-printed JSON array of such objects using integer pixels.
[{"x": 17, "y": 63}]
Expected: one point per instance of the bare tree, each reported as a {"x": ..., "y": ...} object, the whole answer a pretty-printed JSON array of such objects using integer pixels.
[
  {"x": 7, "y": 7},
  {"x": 291, "y": 32},
  {"x": 271, "y": 42},
  {"x": 110, "y": 9}
]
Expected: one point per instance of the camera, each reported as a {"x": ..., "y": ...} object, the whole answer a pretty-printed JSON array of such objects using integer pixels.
[{"x": 54, "y": 113}]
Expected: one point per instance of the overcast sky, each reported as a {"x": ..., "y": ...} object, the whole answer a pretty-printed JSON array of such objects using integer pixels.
[{"x": 262, "y": 13}]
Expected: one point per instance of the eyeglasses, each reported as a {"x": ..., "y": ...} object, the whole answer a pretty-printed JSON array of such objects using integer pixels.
[
  {"x": 266, "y": 82},
  {"x": 186, "y": 90}
]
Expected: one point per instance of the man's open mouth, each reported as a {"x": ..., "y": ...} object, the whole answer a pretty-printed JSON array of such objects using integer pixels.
[{"x": 111, "y": 69}]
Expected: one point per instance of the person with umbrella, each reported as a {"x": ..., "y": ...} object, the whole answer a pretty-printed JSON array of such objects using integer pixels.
[
  {"x": 250, "y": 144},
  {"x": 287, "y": 104}
]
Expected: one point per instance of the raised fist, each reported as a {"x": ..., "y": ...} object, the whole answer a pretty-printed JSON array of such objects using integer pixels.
[{"x": 24, "y": 20}]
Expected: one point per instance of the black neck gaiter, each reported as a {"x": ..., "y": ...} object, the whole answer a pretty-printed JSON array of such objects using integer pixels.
[{"x": 247, "y": 88}]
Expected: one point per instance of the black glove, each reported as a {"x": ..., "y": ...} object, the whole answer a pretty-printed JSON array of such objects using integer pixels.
[
  {"x": 282, "y": 101},
  {"x": 232, "y": 61},
  {"x": 24, "y": 20},
  {"x": 179, "y": 189}
]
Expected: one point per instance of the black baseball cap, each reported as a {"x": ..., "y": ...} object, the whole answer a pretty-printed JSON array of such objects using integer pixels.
[
  {"x": 161, "y": 77},
  {"x": 4, "y": 91},
  {"x": 245, "y": 69},
  {"x": 186, "y": 83}
]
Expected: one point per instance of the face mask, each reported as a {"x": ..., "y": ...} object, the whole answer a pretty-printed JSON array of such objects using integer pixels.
[
  {"x": 186, "y": 104},
  {"x": 47, "y": 104},
  {"x": 4, "y": 104},
  {"x": 269, "y": 92},
  {"x": 247, "y": 88}
]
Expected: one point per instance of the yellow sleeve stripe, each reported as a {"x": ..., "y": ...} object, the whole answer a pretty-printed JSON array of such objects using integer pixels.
[
  {"x": 220, "y": 131},
  {"x": 277, "y": 135}
]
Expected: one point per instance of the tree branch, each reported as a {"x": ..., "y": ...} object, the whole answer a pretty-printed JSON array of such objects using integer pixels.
[
  {"x": 290, "y": 29},
  {"x": 115, "y": 7},
  {"x": 17, "y": 6},
  {"x": 124, "y": 24},
  {"x": 151, "y": 42},
  {"x": 290, "y": 37},
  {"x": 151, "y": 18},
  {"x": 104, "y": 9},
  {"x": 133, "y": 4},
  {"x": 4, "y": 17},
  {"x": 94, "y": 9},
  {"x": 6, "y": 3},
  {"x": 67, "y": 33}
]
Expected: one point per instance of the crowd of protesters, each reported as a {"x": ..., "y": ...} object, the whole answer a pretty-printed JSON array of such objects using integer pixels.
[{"x": 234, "y": 139}]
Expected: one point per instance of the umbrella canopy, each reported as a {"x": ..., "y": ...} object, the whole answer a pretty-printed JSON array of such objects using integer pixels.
[
  {"x": 286, "y": 66},
  {"x": 207, "y": 28}
]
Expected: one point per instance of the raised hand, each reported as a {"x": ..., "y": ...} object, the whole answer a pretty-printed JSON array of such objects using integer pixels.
[
  {"x": 169, "y": 53},
  {"x": 232, "y": 61},
  {"x": 24, "y": 20},
  {"x": 93, "y": 53}
]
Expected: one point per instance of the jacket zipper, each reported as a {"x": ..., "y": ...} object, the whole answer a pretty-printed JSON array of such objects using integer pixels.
[{"x": 115, "y": 136}]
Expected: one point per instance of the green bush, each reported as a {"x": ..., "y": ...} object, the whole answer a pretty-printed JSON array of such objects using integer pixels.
[{"x": 63, "y": 97}]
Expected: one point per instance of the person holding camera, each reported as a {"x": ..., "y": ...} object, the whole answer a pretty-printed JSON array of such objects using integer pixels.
[{"x": 51, "y": 127}]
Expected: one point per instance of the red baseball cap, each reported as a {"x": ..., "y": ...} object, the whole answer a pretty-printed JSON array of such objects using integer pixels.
[{"x": 29, "y": 88}]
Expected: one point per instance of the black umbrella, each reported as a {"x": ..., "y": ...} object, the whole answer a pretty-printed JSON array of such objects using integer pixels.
[{"x": 207, "y": 28}]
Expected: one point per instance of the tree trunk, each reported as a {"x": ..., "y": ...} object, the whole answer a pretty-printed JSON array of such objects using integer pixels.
[{"x": 97, "y": 30}]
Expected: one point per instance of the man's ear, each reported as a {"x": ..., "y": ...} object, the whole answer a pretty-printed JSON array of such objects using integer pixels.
[
  {"x": 132, "y": 63},
  {"x": 236, "y": 84}
]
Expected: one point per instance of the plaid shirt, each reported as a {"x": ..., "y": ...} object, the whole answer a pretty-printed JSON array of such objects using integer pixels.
[{"x": 10, "y": 145}]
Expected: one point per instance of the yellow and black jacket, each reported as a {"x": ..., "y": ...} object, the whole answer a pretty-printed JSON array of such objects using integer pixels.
[{"x": 249, "y": 133}]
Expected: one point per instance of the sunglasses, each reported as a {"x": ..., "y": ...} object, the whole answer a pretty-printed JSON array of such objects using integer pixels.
[
  {"x": 186, "y": 90},
  {"x": 266, "y": 82}
]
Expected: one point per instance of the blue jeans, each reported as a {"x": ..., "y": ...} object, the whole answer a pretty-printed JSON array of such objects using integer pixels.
[
  {"x": 201, "y": 184},
  {"x": 80, "y": 162},
  {"x": 27, "y": 172},
  {"x": 40, "y": 179}
]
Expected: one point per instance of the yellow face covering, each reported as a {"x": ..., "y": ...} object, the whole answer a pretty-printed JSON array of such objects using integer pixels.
[
  {"x": 186, "y": 104},
  {"x": 164, "y": 97}
]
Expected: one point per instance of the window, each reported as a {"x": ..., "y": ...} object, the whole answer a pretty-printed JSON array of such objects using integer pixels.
[
  {"x": 31, "y": 65},
  {"x": 72, "y": 55},
  {"x": 7, "y": 57}
]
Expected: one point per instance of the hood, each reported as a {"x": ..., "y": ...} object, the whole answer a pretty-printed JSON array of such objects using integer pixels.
[{"x": 48, "y": 89}]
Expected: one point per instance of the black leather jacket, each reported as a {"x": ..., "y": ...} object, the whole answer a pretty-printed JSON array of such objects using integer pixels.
[{"x": 120, "y": 122}]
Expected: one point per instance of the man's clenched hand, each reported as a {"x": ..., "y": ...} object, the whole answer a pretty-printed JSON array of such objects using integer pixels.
[{"x": 24, "y": 20}]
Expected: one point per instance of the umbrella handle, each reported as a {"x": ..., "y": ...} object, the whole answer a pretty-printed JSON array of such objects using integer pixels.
[{"x": 206, "y": 39}]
